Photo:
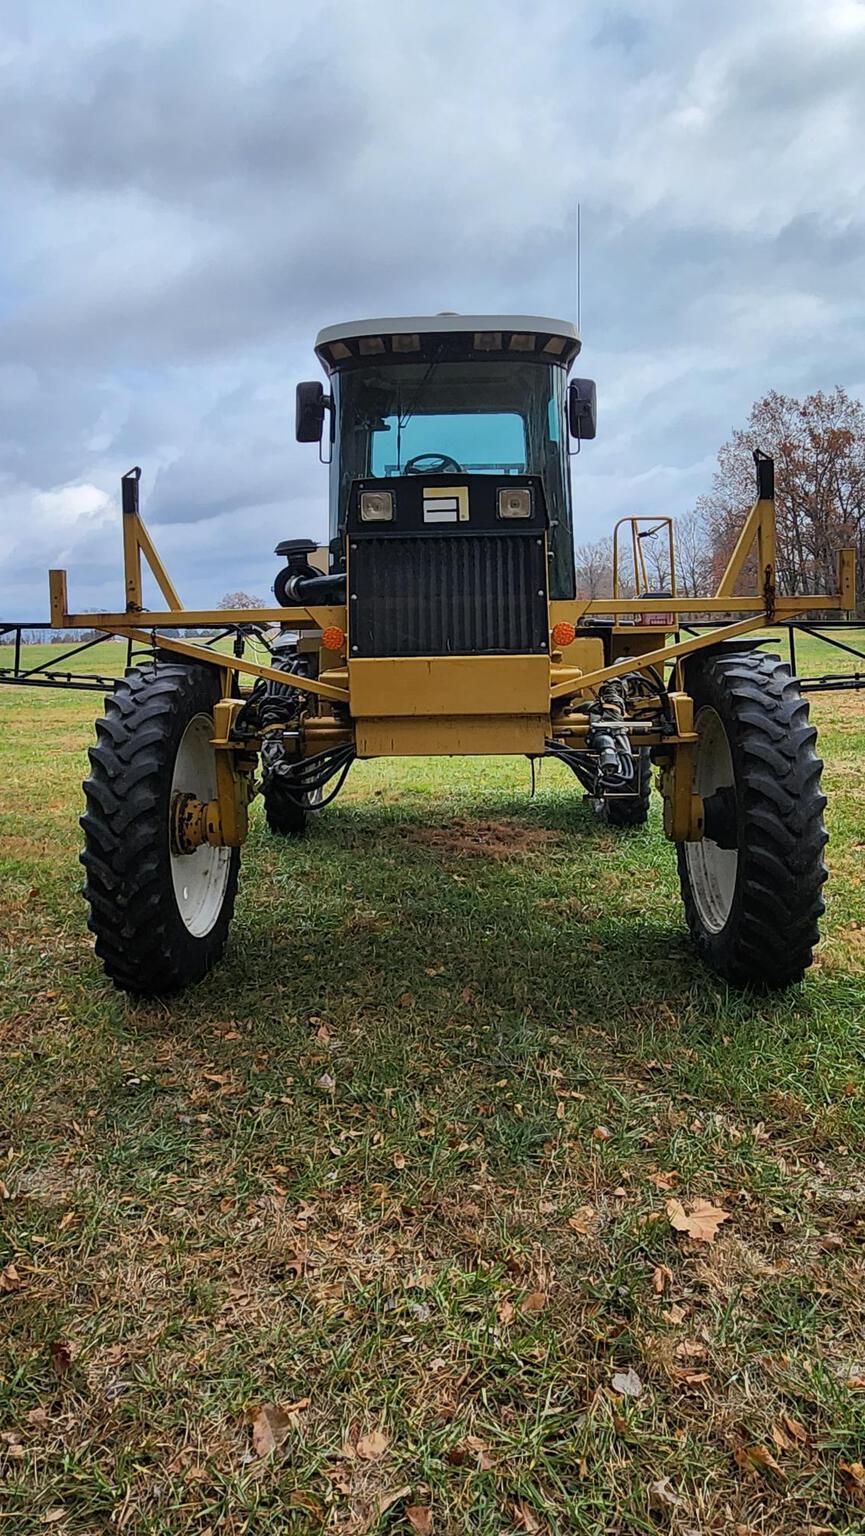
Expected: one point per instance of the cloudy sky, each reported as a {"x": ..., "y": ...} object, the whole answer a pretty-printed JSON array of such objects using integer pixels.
[{"x": 189, "y": 191}]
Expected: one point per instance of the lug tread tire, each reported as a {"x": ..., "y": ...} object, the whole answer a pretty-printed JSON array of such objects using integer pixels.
[
  {"x": 632, "y": 810},
  {"x": 141, "y": 939},
  {"x": 769, "y": 937},
  {"x": 286, "y": 815}
]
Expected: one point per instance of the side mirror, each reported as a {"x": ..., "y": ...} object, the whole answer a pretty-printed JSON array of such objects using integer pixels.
[
  {"x": 309, "y": 412},
  {"x": 583, "y": 409}
]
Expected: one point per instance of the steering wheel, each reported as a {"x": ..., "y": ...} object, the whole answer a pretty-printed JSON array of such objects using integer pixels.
[{"x": 432, "y": 464}]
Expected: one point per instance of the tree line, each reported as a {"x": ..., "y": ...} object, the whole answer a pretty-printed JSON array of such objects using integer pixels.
[{"x": 818, "y": 444}]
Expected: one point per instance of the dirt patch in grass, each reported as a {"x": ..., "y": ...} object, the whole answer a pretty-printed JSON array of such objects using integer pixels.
[{"x": 488, "y": 839}]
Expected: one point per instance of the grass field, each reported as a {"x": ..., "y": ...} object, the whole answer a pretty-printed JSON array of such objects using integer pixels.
[{"x": 401, "y": 1169}]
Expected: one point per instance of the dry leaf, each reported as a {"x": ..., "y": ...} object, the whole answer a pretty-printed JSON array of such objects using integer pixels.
[
  {"x": 52, "y": 1516},
  {"x": 627, "y": 1383},
  {"x": 701, "y": 1221},
  {"x": 526, "y": 1518},
  {"x": 370, "y": 1447},
  {"x": 269, "y": 1428},
  {"x": 10, "y": 1279},
  {"x": 419, "y": 1517},
  {"x": 780, "y": 1438},
  {"x": 584, "y": 1220},
  {"x": 794, "y": 1428},
  {"x": 399, "y": 1159},
  {"x": 674, "y": 1314},
  {"x": 326, "y": 1083},
  {"x": 662, "y": 1276},
  {"x": 756, "y": 1458},
  {"x": 690, "y": 1349},
  {"x": 661, "y": 1493},
  {"x": 600, "y": 1133},
  {"x": 532, "y": 1302},
  {"x": 506, "y": 1312},
  {"x": 387, "y": 1500},
  {"x": 853, "y": 1480},
  {"x": 61, "y": 1355},
  {"x": 405, "y": 1000},
  {"x": 663, "y": 1180}
]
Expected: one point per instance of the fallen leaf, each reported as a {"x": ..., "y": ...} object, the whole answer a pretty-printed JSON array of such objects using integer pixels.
[
  {"x": 794, "y": 1428},
  {"x": 405, "y": 1000},
  {"x": 584, "y": 1220},
  {"x": 370, "y": 1447},
  {"x": 52, "y": 1516},
  {"x": 506, "y": 1312},
  {"x": 780, "y": 1438},
  {"x": 663, "y": 1180},
  {"x": 674, "y": 1314},
  {"x": 10, "y": 1280},
  {"x": 326, "y": 1083},
  {"x": 272, "y": 1423},
  {"x": 627, "y": 1383},
  {"x": 399, "y": 1159},
  {"x": 526, "y": 1518},
  {"x": 600, "y": 1133},
  {"x": 387, "y": 1500},
  {"x": 700, "y": 1222},
  {"x": 661, "y": 1493},
  {"x": 61, "y": 1355},
  {"x": 853, "y": 1480},
  {"x": 419, "y": 1517},
  {"x": 756, "y": 1458},
  {"x": 690, "y": 1349},
  {"x": 533, "y": 1302},
  {"x": 662, "y": 1276}
]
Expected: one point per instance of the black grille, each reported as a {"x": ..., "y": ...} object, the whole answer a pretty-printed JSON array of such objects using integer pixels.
[{"x": 451, "y": 596}]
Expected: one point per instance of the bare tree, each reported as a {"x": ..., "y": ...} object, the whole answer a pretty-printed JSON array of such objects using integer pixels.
[
  {"x": 242, "y": 600},
  {"x": 818, "y": 445},
  {"x": 594, "y": 564},
  {"x": 694, "y": 568}
]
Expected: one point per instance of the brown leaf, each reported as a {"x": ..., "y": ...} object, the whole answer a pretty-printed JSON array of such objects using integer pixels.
[
  {"x": 61, "y": 1355},
  {"x": 661, "y": 1494},
  {"x": 690, "y": 1349},
  {"x": 627, "y": 1383},
  {"x": 780, "y": 1438},
  {"x": 700, "y": 1222},
  {"x": 526, "y": 1518},
  {"x": 472, "y": 1448},
  {"x": 399, "y": 1159},
  {"x": 584, "y": 1220},
  {"x": 662, "y": 1276},
  {"x": 52, "y": 1516},
  {"x": 794, "y": 1428},
  {"x": 674, "y": 1314},
  {"x": 600, "y": 1133},
  {"x": 370, "y": 1447},
  {"x": 405, "y": 1000},
  {"x": 326, "y": 1083},
  {"x": 10, "y": 1280},
  {"x": 853, "y": 1480},
  {"x": 506, "y": 1311},
  {"x": 419, "y": 1517},
  {"x": 756, "y": 1458},
  {"x": 533, "y": 1302},
  {"x": 387, "y": 1500},
  {"x": 663, "y": 1180},
  {"x": 272, "y": 1423}
]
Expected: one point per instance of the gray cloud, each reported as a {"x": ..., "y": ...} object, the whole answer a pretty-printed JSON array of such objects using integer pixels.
[{"x": 190, "y": 193}]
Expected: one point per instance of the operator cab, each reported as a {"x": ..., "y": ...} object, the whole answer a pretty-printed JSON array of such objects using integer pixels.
[{"x": 450, "y": 423}]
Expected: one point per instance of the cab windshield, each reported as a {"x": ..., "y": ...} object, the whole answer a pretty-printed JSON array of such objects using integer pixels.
[{"x": 469, "y": 416}]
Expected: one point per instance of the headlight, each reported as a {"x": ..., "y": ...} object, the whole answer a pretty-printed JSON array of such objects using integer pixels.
[
  {"x": 376, "y": 506},
  {"x": 515, "y": 503}
]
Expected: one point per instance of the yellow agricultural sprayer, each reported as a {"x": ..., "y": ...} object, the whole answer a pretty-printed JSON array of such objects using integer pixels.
[{"x": 441, "y": 618}]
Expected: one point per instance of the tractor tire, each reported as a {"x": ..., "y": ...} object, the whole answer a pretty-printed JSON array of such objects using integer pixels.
[
  {"x": 752, "y": 893},
  {"x": 288, "y": 814},
  {"x": 161, "y": 919},
  {"x": 631, "y": 810}
]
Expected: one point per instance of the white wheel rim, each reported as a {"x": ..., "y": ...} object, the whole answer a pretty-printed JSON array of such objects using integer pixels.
[
  {"x": 712, "y": 870},
  {"x": 200, "y": 879}
]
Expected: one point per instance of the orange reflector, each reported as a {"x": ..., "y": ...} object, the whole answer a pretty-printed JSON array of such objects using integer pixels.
[
  {"x": 563, "y": 633},
  {"x": 333, "y": 638}
]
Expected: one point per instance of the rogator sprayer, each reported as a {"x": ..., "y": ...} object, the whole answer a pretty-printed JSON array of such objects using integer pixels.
[{"x": 441, "y": 618}]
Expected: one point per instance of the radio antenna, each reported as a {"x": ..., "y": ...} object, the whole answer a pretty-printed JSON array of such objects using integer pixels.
[{"x": 579, "y": 269}]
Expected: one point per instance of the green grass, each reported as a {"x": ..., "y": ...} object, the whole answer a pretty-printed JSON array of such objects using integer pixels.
[{"x": 343, "y": 1169}]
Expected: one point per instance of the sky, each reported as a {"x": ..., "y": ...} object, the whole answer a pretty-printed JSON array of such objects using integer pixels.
[{"x": 188, "y": 192}]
